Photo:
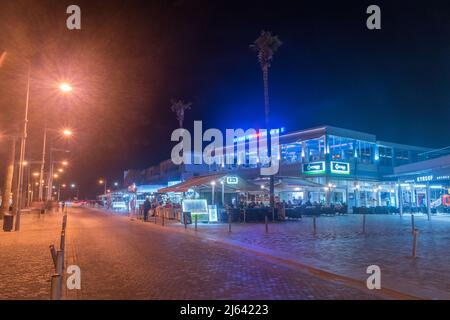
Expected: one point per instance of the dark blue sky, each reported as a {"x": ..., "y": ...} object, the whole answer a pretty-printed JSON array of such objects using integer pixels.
[{"x": 132, "y": 57}]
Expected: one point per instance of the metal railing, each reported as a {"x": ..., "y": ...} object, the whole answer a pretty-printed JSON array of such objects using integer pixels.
[{"x": 433, "y": 154}]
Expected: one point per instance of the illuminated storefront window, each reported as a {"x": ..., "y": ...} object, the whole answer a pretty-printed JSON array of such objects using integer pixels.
[
  {"x": 291, "y": 153},
  {"x": 341, "y": 148},
  {"x": 385, "y": 155},
  {"x": 315, "y": 149}
]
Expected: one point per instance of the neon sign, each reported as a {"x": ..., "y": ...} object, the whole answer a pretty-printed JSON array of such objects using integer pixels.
[
  {"x": 232, "y": 180},
  {"x": 314, "y": 167},
  {"x": 259, "y": 135},
  {"x": 340, "y": 167}
]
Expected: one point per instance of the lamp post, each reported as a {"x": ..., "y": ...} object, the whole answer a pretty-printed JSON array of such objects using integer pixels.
[
  {"x": 64, "y": 88},
  {"x": 52, "y": 174},
  {"x": 103, "y": 182},
  {"x": 17, "y": 203},
  {"x": 213, "y": 185},
  {"x": 222, "y": 182},
  {"x": 66, "y": 133},
  {"x": 73, "y": 186}
]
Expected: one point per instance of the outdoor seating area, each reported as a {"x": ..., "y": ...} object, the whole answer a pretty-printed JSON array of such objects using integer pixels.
[
  {"x": 331, "y": 210},
  {"x": 248, "y": 215},
  {"x": 377, "y": 210}
]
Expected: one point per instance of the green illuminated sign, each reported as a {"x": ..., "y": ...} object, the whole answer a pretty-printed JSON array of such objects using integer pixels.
[
  {"x": 314, "y": 167},
  {"x": 340, "y": 167},
  {"x": 232, "y": 180}
]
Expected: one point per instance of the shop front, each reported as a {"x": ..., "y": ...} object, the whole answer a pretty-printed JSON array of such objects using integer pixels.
[{"x": 207, "y": 196}]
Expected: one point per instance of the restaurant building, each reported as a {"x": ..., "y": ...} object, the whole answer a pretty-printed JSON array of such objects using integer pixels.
[{"x": 327, "y": 165}]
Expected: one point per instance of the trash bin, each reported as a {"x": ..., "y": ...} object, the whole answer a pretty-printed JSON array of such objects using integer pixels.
[{"x": 8, "y": 221}]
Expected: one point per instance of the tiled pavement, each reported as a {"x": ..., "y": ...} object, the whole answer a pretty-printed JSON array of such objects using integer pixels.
[
  {"x": 25, "y": 261},
  {"x": 123, "y": 259},
  {"x": 340, "y": 247}
]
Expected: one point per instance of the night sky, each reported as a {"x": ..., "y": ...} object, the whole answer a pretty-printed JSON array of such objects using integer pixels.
[{"x": 131, "y": 57}]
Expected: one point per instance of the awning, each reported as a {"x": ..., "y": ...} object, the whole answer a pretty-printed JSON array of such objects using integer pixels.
[
  {"x": 286, "y": 182},
  {"x": 192, "y": 182},
  {"x": 232, "y": 183},
  {"x": 148, "y": 188}
]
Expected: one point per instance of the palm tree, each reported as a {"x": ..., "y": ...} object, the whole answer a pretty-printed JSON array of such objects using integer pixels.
[
  {"x": 179, "y": 108},
  {"x": 266, "y": 45}
]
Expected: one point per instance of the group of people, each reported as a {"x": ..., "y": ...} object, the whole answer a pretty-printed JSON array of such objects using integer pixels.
[{"x": 151, "y": 206}]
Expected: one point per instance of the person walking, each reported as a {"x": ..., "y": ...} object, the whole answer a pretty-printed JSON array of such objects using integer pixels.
[{"x": 147, "y": 207}]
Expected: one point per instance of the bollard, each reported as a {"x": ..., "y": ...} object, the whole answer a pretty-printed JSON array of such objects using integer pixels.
[
  {"x": 314, "y": 224},
  {"x": 245, "y": 216},
  {"x": 62, "y": 243},
  {"x": 413, "y": 225},
  {"x": 185, "y": 220},
  {"x": 364, "y": 223},
  {"x": 53, "y": 253},
  {"x": 267, "y": 223},
  {"x": 64, "y": 224},
  {"x": 55, "y": 291},
  {"x": 60, "y": 268},
  {"x": 195, "y": 222},
  {"x": 415, "y": 236},
  {"x": 229, "y": 222}
]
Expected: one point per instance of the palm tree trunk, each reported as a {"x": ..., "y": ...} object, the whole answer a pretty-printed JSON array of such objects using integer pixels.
[
  {"x": 265, "y": 70},
  {"x": 7, "y": 186}
]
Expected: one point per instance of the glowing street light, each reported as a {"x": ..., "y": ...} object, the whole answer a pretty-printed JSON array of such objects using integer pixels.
[
  {"x": 65, "y": 163},
  {"x": 60, "y": 170},
  {"x": 35, "y": 174},
  {"x": 55, "y": 175},
  {"x": 65, "y": 87},
  {"x": 213, "y": 184},
  {"x": 67, "y": 132},
  {"x": 103, "y": 182}
]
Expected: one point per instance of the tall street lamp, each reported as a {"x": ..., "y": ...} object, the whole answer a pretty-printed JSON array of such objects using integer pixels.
[
  {"x": 64, "y": 87},
  {"x": 103, "y": 182},
  {"x": 73, "y": 186},
  {"x": 66, "y": 133},
  {"x": 52, "y": 174},
  {"x": 17, "y": 203}
]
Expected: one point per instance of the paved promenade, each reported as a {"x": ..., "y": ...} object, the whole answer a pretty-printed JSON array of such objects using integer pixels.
[
  {"x": 124, "y": 259},
  {"x": 26, "y": 263},
  {"x": 340, "y": 247}
]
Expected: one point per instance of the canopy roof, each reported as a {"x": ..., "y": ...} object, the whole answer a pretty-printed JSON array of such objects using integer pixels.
[
  {"x": 205, "y": 182},
  {"x": 287, "y": 183}
]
